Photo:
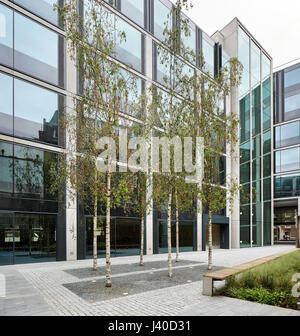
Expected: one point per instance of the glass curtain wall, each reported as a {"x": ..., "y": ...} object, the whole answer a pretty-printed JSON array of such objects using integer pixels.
[{"x": 255, "y": 144}]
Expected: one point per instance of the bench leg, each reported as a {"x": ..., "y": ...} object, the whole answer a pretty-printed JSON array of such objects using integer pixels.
[{"x": 208, "y": 286}]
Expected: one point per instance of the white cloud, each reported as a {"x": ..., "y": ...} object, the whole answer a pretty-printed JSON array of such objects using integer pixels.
[{"x": 274, "y": 23}]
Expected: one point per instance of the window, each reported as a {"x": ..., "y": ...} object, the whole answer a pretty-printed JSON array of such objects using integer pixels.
[
  {"x": 36, "y": 113},
  {"x": 43, "y": 8},
  {"x": 129, "y": 50},
  {"x": 245, "y": 118},
  {"x": 256, "y": 111},
  {"x": 292, "y": 103},
  {"x": 244, "y": 58},
  {"x": 134, "y": 9},
  {"x": 287, "y": 135},
  {"x": 208, "y": 54},
  {"x": 6, "y": 104},
  {"x": 287, "y": 160},
  {"x": 292, "y": 78},
  {"x": 287, "y": 186},
  {"x": 36, "y": 50},
  {"x": 161, "y": 17},
  {"x": 25, "y": 171},
  {"x": 189, "y": 40},
  {"x": 266, "y": 67},
  {"x": 255, "y": 64},
  {"x": 267, "y": 142},
  {"x": 267, "y": 104},
  {"x": 6, "y": 36},
  {"x": 29, "y": 111}
]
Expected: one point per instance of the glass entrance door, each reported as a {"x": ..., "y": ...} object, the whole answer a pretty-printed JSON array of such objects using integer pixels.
[{"x": 6, "y": 239}]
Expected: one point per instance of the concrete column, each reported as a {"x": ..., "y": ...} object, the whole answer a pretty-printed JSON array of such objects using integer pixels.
[
  {"x": 71, "y": 198},
  {"x": 149, "y": 215}
]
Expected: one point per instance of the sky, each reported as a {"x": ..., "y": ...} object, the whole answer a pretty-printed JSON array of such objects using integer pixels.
[{"x": 274, "y": 23}]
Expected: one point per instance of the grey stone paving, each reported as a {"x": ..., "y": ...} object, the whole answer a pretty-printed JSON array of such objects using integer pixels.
[{"x": 41, "y": 289}]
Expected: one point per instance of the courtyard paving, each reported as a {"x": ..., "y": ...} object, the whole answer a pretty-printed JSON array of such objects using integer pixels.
[{"x": 72, "y": 289}]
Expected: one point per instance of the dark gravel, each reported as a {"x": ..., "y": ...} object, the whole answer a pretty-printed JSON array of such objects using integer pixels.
[
  {"x": 85, "y": 273},
  {"x": 136, "y": 283}
]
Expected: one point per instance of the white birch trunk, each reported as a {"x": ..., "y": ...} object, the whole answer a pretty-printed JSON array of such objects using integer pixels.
[
  {"x": 169, "y": 236},
  {"x": 210, "y": 240},
  {"x": 142, "y": 241},
  {"x": 108, "y": 262},
  {"x": 95, "y": 232},
  {"x": 177, "y": 229}
]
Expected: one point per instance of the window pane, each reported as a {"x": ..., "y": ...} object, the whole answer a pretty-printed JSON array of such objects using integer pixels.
[
  {"x": 255, "y": 64},
  {"x": 292, "y": 78},
  {"x": 6, "y": 171},
  {"x": 267, "y": 165},
  {"x": 287, "y": 186},
  {"x": 256, "y": 111},
  {"x": 287, "y": 135},
  {"x": 36, "y": 113},
  {"x": 129, "y": 51},
  {"x": 245, "y": 118},
  {"x": 208, "y": 56},
  {"x": 6, "y": 104},
  {"x": 161, "y": 18},
  {"x": 36, "y": 49},
  {"x": 134, "y": 9},
  {"x": 244, "y": 58},
  {"x": 292, "y": 103},
  {"x": 266, "y": 67},
  {"x": 267, "y": 142},
  {"x": 287, "y": 160},
  {"x": 245, "y": 152},
  {"x": 6, "y": 36},
  {"x": 267, "y": 104},
  {"x": 43, "y": 8}
]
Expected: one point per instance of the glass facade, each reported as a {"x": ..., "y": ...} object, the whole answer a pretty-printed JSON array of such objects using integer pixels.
[
  {"x": 161, "y": 16},
  {"x": 255, "y": 143},
  {"x": 134, "y": 10}
]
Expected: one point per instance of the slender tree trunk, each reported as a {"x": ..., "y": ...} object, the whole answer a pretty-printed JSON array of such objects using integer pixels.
[
  {"x": 210, "y": 240},
  {"x": 108, "y": 262},
  {"x": 142, "y": 241},
  {"x": 95, "y": 233},
  {"x": 177, "y": 228},
  {"x": 169, "y": 236}
]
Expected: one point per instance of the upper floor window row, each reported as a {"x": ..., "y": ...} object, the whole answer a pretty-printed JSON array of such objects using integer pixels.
[
  {"x": 43, "y": 8},
  {"x": 31, "y": 48},
  {"x": 292, "y": 78},
  {"x": 157, "y": 15}
]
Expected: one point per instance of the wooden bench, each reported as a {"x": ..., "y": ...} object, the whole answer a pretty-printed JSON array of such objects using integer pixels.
[{"x": 225, "y": 274}]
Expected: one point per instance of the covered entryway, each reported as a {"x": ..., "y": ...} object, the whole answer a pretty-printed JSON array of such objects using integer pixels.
[{"x": 220, "y": 232}]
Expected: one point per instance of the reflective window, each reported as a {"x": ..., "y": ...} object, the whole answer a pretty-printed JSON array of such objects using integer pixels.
[
  {"x": 287, "y": 135},
  {"x": 134, "y": 9},
  {"x": 255, "y": 64},
  {"x": 36, "y": 113},
  {"x": 267, "y": 165},
  {"x": 25, "y": 171},
  {"x": 244, "y": 58},
  {"x": 267, "y": 223},
  {"x": 267, "y": 142},
  {"x": 208, "y": 51},
  {"x": 6, "y": 104},
  {"x": 292, "y": 78},
  {"x": 292, "y": 103},
  {"x": 6, "y": 171},
  {"x": 43, "y": 8},
  {"x": 266, "y": 67},
  {"x": 6, "y": 36},
  {"x": 267, "y": 189},
  {"x": 287, "y": 160},
  {"x": 245, "y": 152},
  {"x": 129, "y": 50},
  {"x": 36, "y": 49},
  {"x": 189, "y": 40},
  {"x": 287, "y": 186},
  {"x": 161, "y": 18},
  {"x": 256, "y": 111},
  {"x": 267, "y": 103},
  {"x": 245, "y": 118}
]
